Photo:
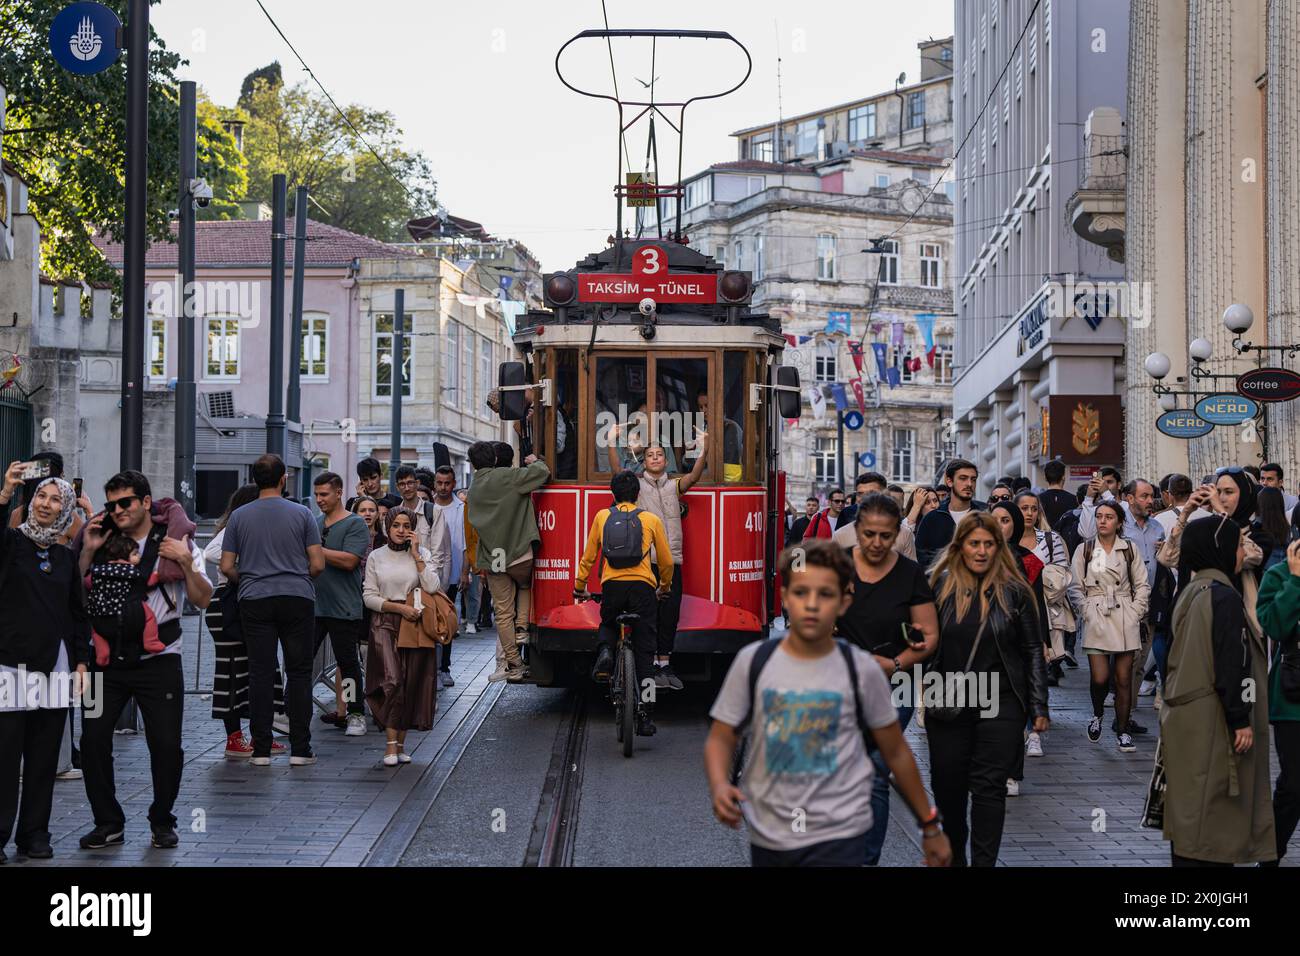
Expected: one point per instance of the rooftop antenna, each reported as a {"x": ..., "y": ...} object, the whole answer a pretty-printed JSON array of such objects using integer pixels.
[{"x": 777, "y": 152}]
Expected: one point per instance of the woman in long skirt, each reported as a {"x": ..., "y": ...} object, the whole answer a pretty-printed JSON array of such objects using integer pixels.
[{"x": 401, "y": 683}]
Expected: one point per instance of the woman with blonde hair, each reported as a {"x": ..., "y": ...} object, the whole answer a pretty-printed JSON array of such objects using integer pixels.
[{"x": 989, "y": 643}]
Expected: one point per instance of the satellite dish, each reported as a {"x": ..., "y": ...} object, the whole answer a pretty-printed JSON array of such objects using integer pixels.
[{"x": 902, "y": 78}]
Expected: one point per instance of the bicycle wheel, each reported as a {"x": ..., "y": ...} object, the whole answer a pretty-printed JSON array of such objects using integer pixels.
[{"x": 627, "y": 726}]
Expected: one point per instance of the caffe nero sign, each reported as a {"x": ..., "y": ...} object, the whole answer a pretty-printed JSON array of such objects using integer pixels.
[
  {"x": 1182, "y": 423},
  {"x": 1227, "y": 409}
]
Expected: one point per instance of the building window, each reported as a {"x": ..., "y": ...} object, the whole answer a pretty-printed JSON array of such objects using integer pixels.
[
  {"x": 826, "y": 368},
  {"x": 1033, "y": 47},
  {"x": 944, "y": 448},
  {"x": 158, "y": 348},
  {"x": 223, "y": 348},
  {"x": 862, "y": 123},
  {"x": 754, "y": 185},
  {"x": 384, "y": 356},
  {"x": 451, "y": 394},
  {"x": 889, "y": 263},
  {"x": 484, "y": 376},
  {"x": 805, "y": 143},
  {"x": 699, "y": 192},
  {"x": 760, "y": 148},
  {"x": 903, "y": 453},
  {"x": 467, "y": 377},
  {"x": 874, "y": 446},
  {"x": 758, "y": 258},
  {"x": 943, "y": 365},
  {"x": 720, "y": 255},
  {"x": 1020, "y": 72},
  {"x": 826, "y": 461},
  {"x": 931, "y": 271},
  {"x": 315, "y": 347},
  {"x": 825, "y": 255},
  {"x": 738, "y": 253},
  {"x": 901, "y": 358},
  {"x": 916, "y": 110},
  {"x": 882, "y": 180}
]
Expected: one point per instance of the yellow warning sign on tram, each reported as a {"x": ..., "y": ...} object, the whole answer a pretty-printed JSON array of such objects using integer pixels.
[{"x": 640, "y": 190}]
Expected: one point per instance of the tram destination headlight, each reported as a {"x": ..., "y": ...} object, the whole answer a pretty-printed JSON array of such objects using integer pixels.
[
  {"x": 734, "y": 287},
  {"x": 561, "y": 289}
]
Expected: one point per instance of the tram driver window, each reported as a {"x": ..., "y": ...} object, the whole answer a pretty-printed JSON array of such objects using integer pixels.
[
  {"x": 733, "y": 414},
  {"x": 566, "y": 415},
  {"x": 622, "y": 425}
]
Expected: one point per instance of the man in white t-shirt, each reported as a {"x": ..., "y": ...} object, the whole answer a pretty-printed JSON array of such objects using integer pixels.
[
  {"x": 430, "y": 527},
  {"x": 154, "y": 681}
]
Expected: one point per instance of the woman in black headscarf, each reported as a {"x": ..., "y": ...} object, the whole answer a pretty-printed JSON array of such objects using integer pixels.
[
  {"x": 1217, "y": 805},
  {"x": 1235, "y": 495}
]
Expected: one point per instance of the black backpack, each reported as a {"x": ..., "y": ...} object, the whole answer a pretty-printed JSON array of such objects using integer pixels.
[
  {"x": 1067, "y": 526},
  {"x": 621, "y": 540}
]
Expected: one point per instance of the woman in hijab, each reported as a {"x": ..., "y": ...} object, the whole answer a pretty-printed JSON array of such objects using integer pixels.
[
  {"x": 1218, "y": 811},
  {"x": 400, "y": 682},
  {"x": 44, "y": 650}
]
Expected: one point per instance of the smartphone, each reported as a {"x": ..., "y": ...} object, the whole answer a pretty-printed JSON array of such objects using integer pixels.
[
  {"x": 76, "y": 486},
  {"x": 34, "y": 469},
  {"x": 913, "y": 635}
]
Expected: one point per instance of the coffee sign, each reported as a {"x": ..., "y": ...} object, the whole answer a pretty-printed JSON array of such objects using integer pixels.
[
  {"x": 1227, "y": 409},
  {"x": 1269, "y": 384},
  {"x": 1182, "y": 423}
]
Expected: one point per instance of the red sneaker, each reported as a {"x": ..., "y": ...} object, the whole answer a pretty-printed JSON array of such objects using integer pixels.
[
  {"x": 237, "y": 745},
  {"x": 278, "y": 749}
]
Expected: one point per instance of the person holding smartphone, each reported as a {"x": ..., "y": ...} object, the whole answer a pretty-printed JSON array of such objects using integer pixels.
[{"x": 892, "y": 616}]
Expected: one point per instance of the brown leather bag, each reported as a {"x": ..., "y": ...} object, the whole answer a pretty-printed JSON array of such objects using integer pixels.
[{"x": 436, "y": 625}]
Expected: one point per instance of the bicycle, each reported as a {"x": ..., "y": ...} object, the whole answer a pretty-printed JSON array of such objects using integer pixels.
[{"x": 622, "y": 680}]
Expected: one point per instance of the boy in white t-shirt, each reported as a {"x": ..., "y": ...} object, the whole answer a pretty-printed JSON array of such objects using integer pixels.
[{"x": 806, "y": 788}]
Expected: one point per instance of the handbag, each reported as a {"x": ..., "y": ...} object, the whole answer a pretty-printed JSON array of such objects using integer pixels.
[
  {"x": 1153, "y": 810},
  {"x": 946, "y": 711},
  {"x": 1288, "y": 676}
]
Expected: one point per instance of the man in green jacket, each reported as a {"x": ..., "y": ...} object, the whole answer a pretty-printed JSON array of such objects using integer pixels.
[
  {"x": 1278, "y": 609},
  {"x": 499, "y": 505}
]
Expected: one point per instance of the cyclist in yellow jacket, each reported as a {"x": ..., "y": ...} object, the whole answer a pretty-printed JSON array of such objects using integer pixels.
[{"x": 630, "y": 588}]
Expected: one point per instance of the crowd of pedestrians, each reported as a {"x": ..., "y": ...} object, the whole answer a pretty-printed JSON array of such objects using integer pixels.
[{"x": 1188, "y": 592}]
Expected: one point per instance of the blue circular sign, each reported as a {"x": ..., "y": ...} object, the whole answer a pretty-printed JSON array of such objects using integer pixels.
[
  {"x": 853, "y": 421},
  {"x": 83, "y": 38},
  {"x": 867, "y": 459},
  {"x": 1227, "y": 409},
  {"x": 1183, "y": 423}
]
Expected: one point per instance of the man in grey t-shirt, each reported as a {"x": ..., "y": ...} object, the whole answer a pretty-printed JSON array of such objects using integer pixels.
[{"x": 272, "y": 549}]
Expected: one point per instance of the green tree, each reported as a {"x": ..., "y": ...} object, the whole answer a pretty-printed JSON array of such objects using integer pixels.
[
  {"x": 66, "y": 137},
  {"x": 295, "y": 132}
]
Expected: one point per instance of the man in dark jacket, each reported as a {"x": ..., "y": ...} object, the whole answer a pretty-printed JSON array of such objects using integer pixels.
[
  {"x": 937, "y": 527},
  {"x": 800, "y": 524}
]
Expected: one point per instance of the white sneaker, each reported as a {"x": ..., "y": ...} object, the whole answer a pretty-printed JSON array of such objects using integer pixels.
[
  {"x": 1013, "y": 788},
  {"x": 281, "y": 724},
  {"x": 259, "y": 761},
  {"x": 72, "y": 773},
  {"x": 1034, "y": 746},
  {"x": 356, "y": 726},
  {"x": 1147, "y": 688},
  {"x": 471, "y": 628}
]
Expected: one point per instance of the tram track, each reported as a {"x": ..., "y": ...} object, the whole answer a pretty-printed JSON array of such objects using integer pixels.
[{"x": 555, "y": 827}]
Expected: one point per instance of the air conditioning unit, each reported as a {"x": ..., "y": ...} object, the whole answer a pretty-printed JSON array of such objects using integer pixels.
[{"x": 839, "y": 149}]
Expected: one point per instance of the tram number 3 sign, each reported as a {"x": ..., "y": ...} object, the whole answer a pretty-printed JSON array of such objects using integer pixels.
[{"x": 649, "y": 279}]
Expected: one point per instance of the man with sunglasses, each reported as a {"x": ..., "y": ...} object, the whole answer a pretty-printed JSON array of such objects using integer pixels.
[
  {"x": 824, "y": 523},
  {"x": 154, "y": 681}
]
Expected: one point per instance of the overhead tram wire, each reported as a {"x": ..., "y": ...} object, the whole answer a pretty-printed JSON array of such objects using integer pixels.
[
  {"x": 613, "y": 75},
  {"x": 356, "y": 132}
]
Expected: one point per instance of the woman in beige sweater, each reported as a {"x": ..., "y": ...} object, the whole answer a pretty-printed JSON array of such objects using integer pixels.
[{"x": 401, "y": 683}]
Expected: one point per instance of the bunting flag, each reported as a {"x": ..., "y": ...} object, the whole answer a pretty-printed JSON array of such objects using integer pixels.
[
  {"x": 859, "y": 395},
  {"x": 837, "y": 322},
  {"x": 929, "y": 356},
  {"x": 790, "y": 339},
  {"x": 893, "y": 377},
  {"x": 841, "y": 399},
  {"x": 925, "y": 322},
  {"x": 880, "y": 349},
  {"x": 818, "y": 402},
  {"x": 897, "y": 333},
  {"x": 855, "y": 349}
]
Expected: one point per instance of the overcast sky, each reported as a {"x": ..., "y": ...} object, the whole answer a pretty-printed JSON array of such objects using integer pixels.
[{"x": 473, "y": 85}]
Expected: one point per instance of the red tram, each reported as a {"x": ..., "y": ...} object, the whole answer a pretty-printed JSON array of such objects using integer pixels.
[{"x": 649, "y": 342}]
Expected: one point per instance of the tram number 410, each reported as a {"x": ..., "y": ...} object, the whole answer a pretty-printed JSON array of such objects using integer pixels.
[
  {"x": 546, "y": 520},
  {"x": 754, "y": 521}
]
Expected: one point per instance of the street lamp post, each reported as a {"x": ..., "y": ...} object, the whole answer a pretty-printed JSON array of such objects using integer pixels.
[{"x": 135, "y": 214}]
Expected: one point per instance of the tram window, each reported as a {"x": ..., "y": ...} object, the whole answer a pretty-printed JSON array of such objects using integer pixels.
[
  {"x": 733, "y": 415},
  {"x": 682, "y": 396},
  {"x": 566, "y": 415},
  {"x": 622, "y": 427}
]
